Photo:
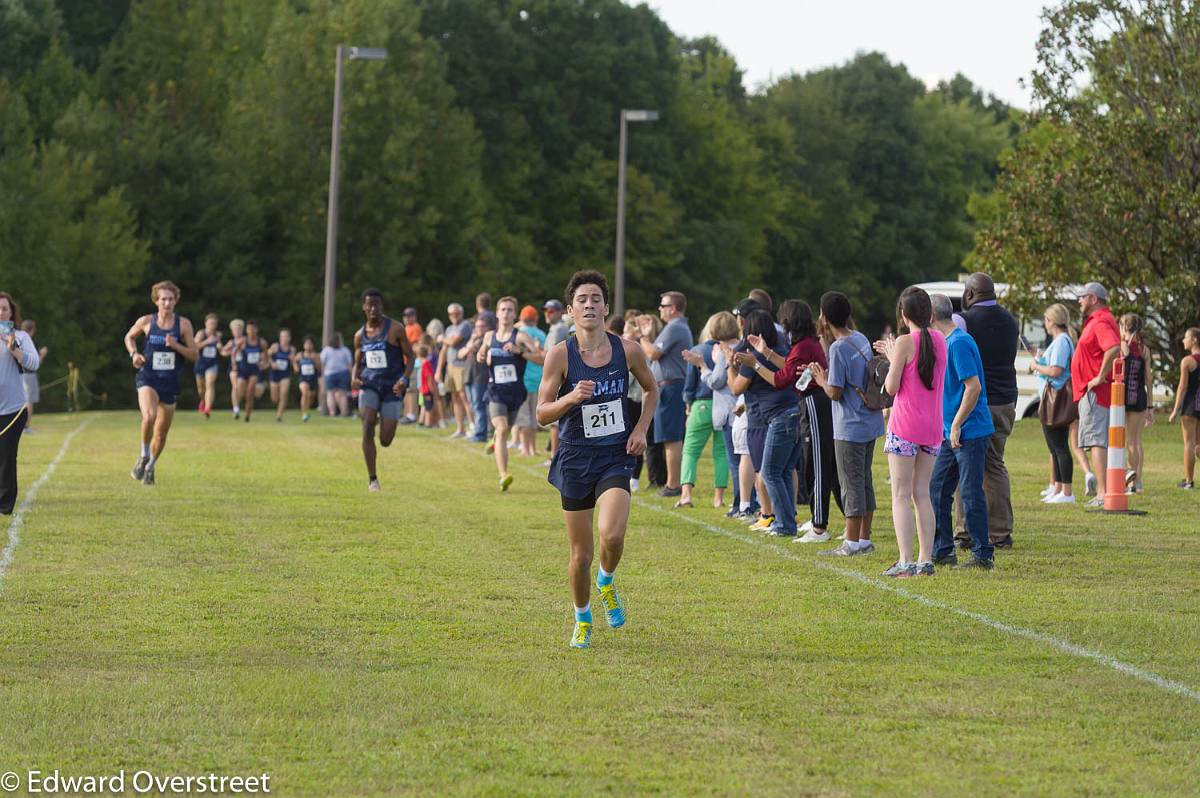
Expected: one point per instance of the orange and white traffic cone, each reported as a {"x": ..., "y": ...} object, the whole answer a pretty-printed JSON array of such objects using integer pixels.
[
  {"x": 1115, "y": 500},
  {"x": 1114, "y": 484}
]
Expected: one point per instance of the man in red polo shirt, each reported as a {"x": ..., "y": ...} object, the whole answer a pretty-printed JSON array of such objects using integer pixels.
[{"x": 1091, "y": 378}]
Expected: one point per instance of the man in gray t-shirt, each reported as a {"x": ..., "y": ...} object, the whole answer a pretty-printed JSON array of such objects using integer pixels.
[
  {"x": 452, "y": 369},
  {"x": 559, "y": 329},
  {"x": 669, "y": 368},
  {"x": 855, "y": 426}
]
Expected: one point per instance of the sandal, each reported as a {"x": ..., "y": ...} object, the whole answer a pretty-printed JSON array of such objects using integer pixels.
[{"x": 682, "y": 503}]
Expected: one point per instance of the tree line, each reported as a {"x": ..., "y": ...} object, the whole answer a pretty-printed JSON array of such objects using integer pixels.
[{"x": 151, "y": 139}]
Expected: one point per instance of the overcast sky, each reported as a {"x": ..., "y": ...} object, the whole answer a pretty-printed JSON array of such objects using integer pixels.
[{"x": 990, "y": 41}]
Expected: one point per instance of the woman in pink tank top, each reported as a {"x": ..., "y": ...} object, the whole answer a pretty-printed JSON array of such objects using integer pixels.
[{"x": 915, "y": 378}]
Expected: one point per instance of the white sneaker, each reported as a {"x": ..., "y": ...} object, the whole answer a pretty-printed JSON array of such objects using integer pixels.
[
  {"x": 635, "y": 485},
  {"x": 808, "y": 527},
  {"x": 1061, "y": 498},
  {"x": 1048, "y": 491},
  {"x": 1090, "y": 485},
  {"x": 813, "y": 536},
  {"x": 1050, "y": 497}
]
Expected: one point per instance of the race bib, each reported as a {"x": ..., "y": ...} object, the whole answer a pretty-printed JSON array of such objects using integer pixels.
[
  {"x": 307, "y": 369},
  {"x": 506, "y": 373},
  {"x": 281, "y": 365},
  {"x": 209, "y": 352},
  {"x": 163, "y": 361},
  {"x": 603, "y": 419},
  {"x": 376, "y": 359},
  {"x": 252, "y": 357}
]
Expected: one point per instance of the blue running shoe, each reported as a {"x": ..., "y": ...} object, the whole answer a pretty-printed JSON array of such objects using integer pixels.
[
  {"x": 583, "y": 635},
  {"x": 614, "y": 608}
]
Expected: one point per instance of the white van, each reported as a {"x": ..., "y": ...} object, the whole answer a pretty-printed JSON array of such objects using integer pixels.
[{"x": 1028, "y": 385}]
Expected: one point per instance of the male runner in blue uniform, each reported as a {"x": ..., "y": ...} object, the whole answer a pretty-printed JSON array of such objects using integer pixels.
[
  {"x": 249, "y": 365},
  {"x": 168, "y": 335},
  {"x": 308, "y": 366},
  {"x": 280, "y": 357},
  {"x": 208, "y": 343},
  {"x": 504, "y": 352},
  {"x": 383, "y": 362},
  {"x": 584, "y": 388}
]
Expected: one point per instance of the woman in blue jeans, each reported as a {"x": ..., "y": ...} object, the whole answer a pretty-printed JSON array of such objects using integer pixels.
[{"x": 774, "y": 417}]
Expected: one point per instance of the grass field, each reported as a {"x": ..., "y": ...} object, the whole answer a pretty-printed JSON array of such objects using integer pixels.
[{"x": 259, "y": 611}]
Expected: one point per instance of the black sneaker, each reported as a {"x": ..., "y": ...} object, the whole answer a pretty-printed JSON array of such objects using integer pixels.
[
  {"x": 670, "y": 491},
  {"x": 734, "y": 512},
  {"x": 962, "y": 543},
  {"x": 1003, "y": 544},
  {"x": 139, "y": 468},
  {"x": 148, "y": 477},
  {"x": 977, "y": 564},
  {"x": 946, "y": 559}
]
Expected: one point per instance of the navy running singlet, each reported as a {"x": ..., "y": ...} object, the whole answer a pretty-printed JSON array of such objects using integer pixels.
[
  {"x": 383, "y": 362},
  {"x": 161, "y": 366},
  {"x": 208, "y": 356},
  {"x": 308, "y": 369},
  {"x": 602, "y": 420},
  {"x": 251, "y": 359},
  {"x": 281, "y": 361},
  {"x": 506, "y": 373},
  {"x": 240, "y": 357}
]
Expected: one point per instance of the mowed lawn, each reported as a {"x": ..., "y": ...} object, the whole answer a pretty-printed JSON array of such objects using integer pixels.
[{"x": 259, "y": 611}]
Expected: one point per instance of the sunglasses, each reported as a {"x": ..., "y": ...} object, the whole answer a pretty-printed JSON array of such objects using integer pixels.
[{"x": 668, "y": 305}]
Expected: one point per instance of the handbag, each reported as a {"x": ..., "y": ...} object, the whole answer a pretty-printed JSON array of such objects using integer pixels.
[{"x": 1058, "y": 408}]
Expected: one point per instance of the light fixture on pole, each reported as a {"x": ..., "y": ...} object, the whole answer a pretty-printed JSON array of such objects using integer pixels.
[
  {"x": 626, "y": 116},
  {"x": 353, "y": 54}
]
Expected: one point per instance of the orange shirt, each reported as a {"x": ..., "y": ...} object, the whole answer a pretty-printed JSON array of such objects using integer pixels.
[{"x": 414, "y": 332}]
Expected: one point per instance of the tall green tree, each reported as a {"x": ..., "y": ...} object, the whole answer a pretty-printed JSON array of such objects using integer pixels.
[
  {"x": 1106, "y": 186},
  {"x": 70, "y": 253}
]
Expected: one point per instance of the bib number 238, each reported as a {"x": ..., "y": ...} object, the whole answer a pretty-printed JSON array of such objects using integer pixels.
[
  {"x": 163, "y": 361},
  {"x": 603, "y": 419}
]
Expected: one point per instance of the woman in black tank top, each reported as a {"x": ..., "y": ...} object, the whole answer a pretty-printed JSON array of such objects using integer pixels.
[
  {"x": 1139, "y": 396},
  {"x": 1187, "y": 397}
]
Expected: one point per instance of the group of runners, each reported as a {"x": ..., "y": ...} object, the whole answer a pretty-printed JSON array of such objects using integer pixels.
[{"x": 585, "y": 382}]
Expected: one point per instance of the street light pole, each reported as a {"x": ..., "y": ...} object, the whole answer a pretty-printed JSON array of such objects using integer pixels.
[
  {"x": 626, "y": 117},
  {"x": 331, "y": 218},
  {"x": 331, "y": 221}
]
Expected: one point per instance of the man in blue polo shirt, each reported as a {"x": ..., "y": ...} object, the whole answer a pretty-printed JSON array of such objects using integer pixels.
[{"x": 968, "y": 428}]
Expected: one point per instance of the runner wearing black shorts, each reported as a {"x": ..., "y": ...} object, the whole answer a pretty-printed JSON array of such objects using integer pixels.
[{"x": 584, "y": 388}]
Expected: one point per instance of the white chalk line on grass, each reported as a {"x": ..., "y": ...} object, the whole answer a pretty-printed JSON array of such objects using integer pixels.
[
  {"x": 1063, "y": 646},
  {"x": 18, "y": 518}
]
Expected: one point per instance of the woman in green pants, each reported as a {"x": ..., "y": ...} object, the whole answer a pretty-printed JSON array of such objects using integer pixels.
[{"x": 700, "y": 396}]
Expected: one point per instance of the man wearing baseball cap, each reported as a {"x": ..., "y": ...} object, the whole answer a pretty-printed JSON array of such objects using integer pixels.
[
  {"x": 1091, "y": 378},
  {"x": 559, "y": 330}
]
